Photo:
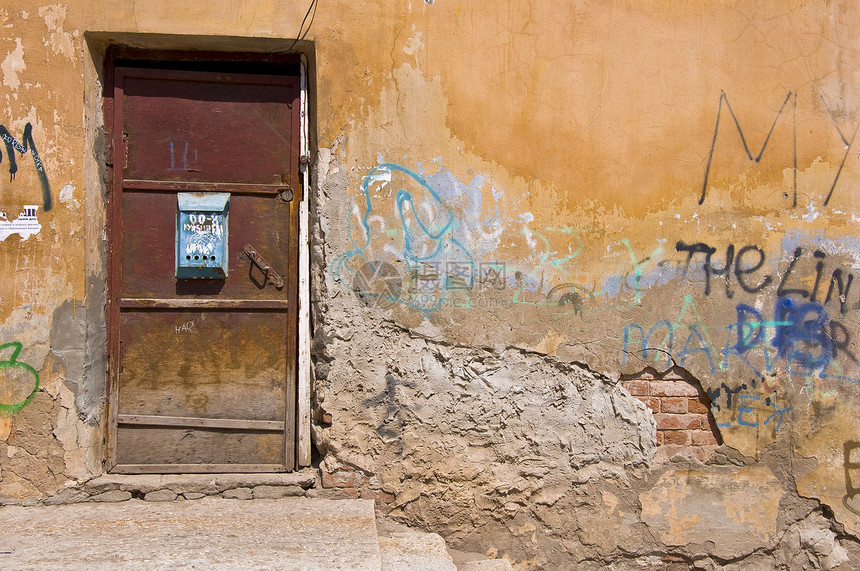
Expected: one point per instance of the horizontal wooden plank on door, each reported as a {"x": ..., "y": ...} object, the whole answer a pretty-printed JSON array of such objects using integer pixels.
[
  {"x": 208, "y": 364},
  {"x": 203, "y": 303},
  {"x": 195, "y": 422},
  {"x": 161, "y": 445},
  {"x": 184, "y": 186}
]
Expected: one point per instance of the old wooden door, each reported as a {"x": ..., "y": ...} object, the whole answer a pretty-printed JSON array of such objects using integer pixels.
[{"x": 202, "y": 371}]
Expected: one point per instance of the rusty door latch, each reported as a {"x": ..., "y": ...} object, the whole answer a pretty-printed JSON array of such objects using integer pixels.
[{"x": 271, "y": 275}]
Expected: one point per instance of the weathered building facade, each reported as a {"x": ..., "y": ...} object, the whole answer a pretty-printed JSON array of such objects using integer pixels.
[{"x": 570, "y": 283}]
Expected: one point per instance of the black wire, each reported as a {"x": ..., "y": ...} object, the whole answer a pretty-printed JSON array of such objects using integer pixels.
[
  {"x": 311, "y": 23},
  {"x": 299, "y": 35}
]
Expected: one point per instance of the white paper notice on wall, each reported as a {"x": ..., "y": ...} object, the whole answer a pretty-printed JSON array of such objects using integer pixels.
[{"x": 25, "y": 225}]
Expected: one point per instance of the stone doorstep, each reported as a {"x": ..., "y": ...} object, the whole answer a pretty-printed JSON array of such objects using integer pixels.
[
  {"x": 309, "y": 533},
  {"x": 400, "y": 547},
  {"x": 206, "y": 484},
  {"x": 403, "y": 548}
]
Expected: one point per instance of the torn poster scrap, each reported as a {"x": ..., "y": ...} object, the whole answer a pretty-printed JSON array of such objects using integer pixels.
[{"x": 25, "y": 225}]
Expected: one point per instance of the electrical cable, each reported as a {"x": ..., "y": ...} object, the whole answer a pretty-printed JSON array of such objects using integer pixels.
[{"x": 299, "y": 35}]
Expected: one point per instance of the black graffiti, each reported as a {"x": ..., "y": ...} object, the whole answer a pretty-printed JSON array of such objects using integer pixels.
[
  {"x": 845, "y": 142},
  {"x": 391, "y": 426},
  {"x": 750, "y": 259},
  {"x": 27, "y": 144},
  {"x": 790, "y": 97},
  {"x": 850, "y": 490},
  {"x": 840, "y": 337},
  {"x": 714, "y": 394},
  {"x": 741, "y": 269}
]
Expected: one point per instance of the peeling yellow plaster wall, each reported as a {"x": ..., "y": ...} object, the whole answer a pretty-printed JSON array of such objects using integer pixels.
[
  {"x": 573, "y": 141},
  {"x": 737, "y": 507}
]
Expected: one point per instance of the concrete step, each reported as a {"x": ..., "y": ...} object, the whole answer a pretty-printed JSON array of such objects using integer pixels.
[
  {"x": 486, "y": 565},
  {"x": 406, "y": 549},
  {"x": 217, "y": 533},
  {"x": 210, "y": 533}
]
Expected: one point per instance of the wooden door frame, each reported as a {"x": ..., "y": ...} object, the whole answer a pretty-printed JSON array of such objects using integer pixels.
[{"x": 298, "y": 371}]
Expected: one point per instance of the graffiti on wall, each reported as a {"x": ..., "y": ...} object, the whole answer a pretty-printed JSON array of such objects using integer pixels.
[
  {"x": 739, "y": 407},
  {"x": 425, "y": 257},
  {"x": 789, "y": 106},
  {"x": 19, "y": 382},
  {"x": 442, "y": 244},
  {"x": 26, "y": 145},
  {"x": 852, "y": 476}
]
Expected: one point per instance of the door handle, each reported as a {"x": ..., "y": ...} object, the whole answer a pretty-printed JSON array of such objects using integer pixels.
[{"x": 271, "y": 275}]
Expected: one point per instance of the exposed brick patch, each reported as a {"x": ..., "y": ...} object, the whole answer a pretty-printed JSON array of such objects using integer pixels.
[
  {"x": 652, "y": 403},
  {"x": 338, "y": 494},
  {"x": 344, "y": 478},
  {"x": 681, "y": 409},
  {"x": 382, "y": 499},
  {"x": 636, "y": 388},
  {"x": 697, "y": 406},
  {"x": 678, "y": 421},
  {"x": 703, "y": 438},
  {"x": 350, "y": 483},
  {"x": 672, "y": 389},
  {"x": 680, "y": 437},
  {"x": 674, "y": 405}
]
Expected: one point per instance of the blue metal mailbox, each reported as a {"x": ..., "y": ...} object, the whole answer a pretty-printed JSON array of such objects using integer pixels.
[{"x": 201, "y": 235}]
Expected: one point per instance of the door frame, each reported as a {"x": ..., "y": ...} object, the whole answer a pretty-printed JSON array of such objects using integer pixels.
[{"x": 301, "y": 375}]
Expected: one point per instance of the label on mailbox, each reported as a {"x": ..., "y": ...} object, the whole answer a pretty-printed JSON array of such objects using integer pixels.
[{"x": 201, "y": 235}]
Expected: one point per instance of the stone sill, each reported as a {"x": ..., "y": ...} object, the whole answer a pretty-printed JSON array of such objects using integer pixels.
[{"x": 207, "y": 484}]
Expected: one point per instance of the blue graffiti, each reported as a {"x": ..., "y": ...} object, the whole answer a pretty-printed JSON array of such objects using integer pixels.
[
  {"x": 748, "y": 415},
  {"x": 667, "y": 341},
  {"x": 431, "y": 251},
  {"x": 803, "y": 338},
  {"x": 801, "y": 335}
]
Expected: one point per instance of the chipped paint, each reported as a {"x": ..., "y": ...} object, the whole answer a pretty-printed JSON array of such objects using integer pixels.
[
  {"x": 60, "y": 41},
  {"x": 12, "y": 65},
  {"x": 741, "y": 506}
]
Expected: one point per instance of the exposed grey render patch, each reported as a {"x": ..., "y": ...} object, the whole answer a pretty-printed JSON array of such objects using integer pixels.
[
  {"x": 92, "y": 395},
  {"x": 68, "y": 342}
]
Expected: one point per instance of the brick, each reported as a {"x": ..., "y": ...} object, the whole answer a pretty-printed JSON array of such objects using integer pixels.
[
  {"x": 659, "y": 438},
  {"x": 673, "y": 389},
  {"x": 678, "y": 421},
  {"x": 379, "y": 496},
  {"x": 680, "y": 437},
  {"x": 652, "y": 403},
  {"x": 703, "y": 438},
  {"x": 697, "y": 406},
  {"x": 636, "y": 388},
  {"x": 344, "y": 479},
  {"x": 674, "y": 405}
]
